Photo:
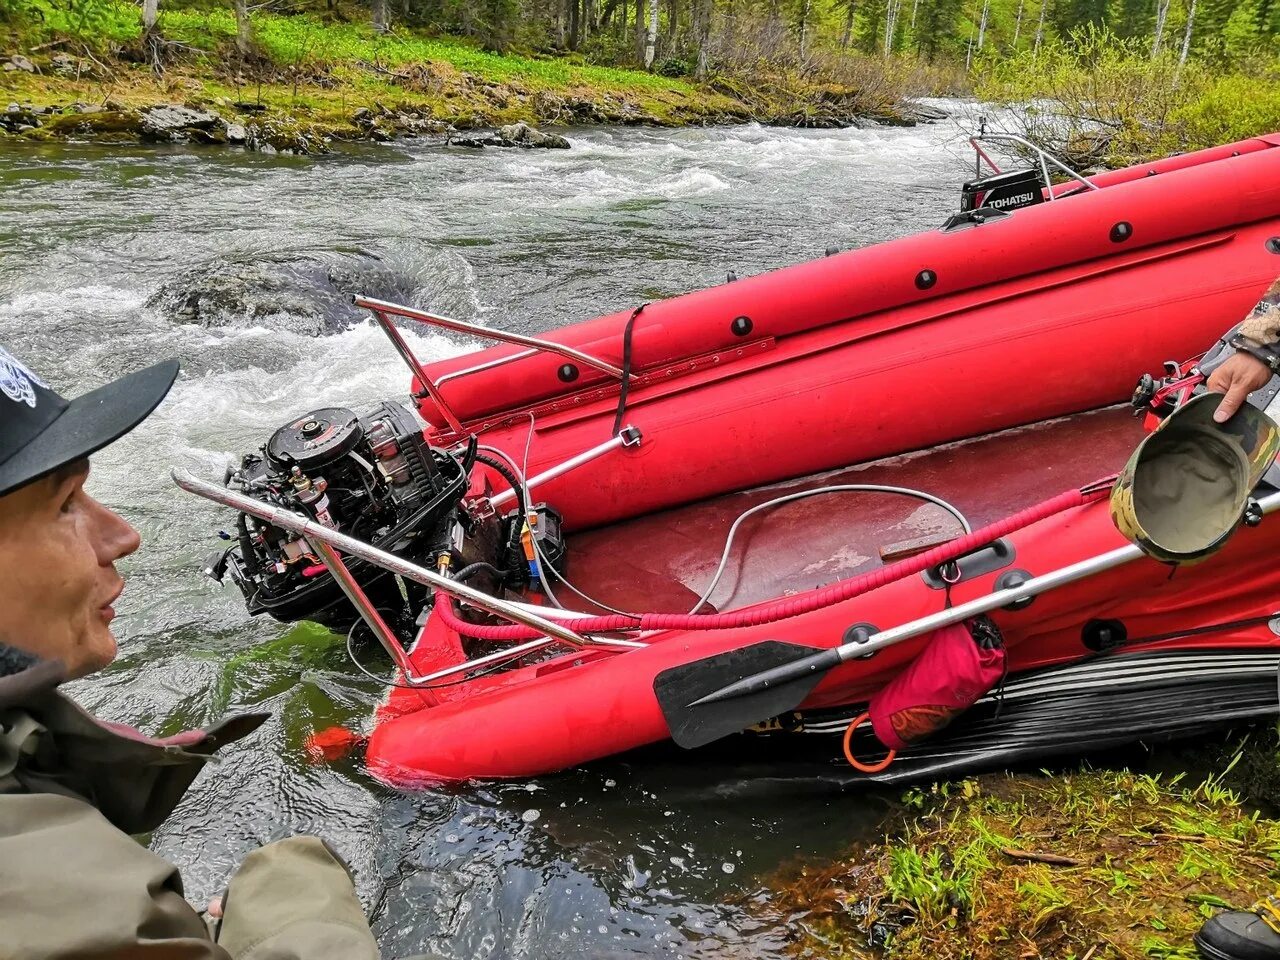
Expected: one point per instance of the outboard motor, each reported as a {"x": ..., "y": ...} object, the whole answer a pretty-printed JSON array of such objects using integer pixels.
[
  {"x": 374, "y": 477},
  {"x": 1003, "y": 191}
]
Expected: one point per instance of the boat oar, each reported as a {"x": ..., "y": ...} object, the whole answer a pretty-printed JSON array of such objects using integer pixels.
[{"x": 717, "y": 696}]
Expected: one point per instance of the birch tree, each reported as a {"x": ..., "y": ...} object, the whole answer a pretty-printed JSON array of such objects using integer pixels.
[
  {"x": 651, "y": 35},
  {"x": 982, "y": 24},
  {"x": 892, "y": 8},
  {"x": 1017, "y": 28},
  {"x": 1186, "y": 36},
  {"x": 1040, "y": 29},
  {"x": 1162, "y": 13},
  {"x": 244, "y": 28}
]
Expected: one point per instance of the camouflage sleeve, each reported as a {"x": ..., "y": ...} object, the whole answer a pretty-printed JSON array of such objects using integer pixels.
[
  {"x": 73, "y": 886},
  {"x": 293, "y": 900},
  {"x": 1262, "y": 326}
]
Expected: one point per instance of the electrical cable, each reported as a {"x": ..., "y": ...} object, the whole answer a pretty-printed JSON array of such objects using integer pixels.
[
  {"x": 837, "y": 488},
  {"x": 542, "y": 561},
  {"x": 785, "y": 608},
  {"x": 471, "y": 569}
]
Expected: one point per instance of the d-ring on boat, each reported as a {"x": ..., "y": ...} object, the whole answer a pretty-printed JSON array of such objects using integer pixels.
[{"x": 546, "y": 562}]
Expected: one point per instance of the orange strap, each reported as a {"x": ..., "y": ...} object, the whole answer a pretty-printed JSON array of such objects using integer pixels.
[{"x": 853, "y": 761}]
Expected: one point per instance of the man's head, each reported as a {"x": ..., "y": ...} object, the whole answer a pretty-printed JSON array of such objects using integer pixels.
[{"x": 58, "y": 545}]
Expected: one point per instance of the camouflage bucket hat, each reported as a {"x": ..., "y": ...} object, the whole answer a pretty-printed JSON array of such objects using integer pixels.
[{"x": 1185, "y": 488}]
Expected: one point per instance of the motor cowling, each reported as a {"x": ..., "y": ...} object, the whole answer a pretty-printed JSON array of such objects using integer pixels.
[
  {"x": 1003, "y": 191},
  {"x": 371, "y": 476}
]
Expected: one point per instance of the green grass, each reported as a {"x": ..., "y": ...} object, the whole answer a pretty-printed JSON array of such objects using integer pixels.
[
  {"x": 1149, "y": 859},
  {"x": 307, "y": 40}
]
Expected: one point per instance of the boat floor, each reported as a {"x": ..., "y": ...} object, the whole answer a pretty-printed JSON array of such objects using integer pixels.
[{"x": 662, "y": 562}]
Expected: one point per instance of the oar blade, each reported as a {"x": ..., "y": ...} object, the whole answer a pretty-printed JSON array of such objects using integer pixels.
[{"x": 694, "y": 726}]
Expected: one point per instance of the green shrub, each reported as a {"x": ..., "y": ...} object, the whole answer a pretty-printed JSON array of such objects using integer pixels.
[
  {"x": 1096, "y": 98},
  {"x": 672, "y": 67}
]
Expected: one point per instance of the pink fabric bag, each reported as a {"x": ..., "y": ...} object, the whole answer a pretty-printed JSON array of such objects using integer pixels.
[{"x": 961, "y": 664}]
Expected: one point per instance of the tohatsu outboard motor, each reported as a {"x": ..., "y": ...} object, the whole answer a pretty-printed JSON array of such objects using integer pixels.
[
  {"x": 1003, "y": 191},
  {"x": 374, "y": 477}
]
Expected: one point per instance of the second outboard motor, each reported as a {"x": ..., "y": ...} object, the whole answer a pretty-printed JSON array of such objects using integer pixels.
[{"x": 1003, "y": 191}]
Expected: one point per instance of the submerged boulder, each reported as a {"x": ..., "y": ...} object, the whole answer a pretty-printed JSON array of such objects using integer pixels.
[{"x": 304, "y": 293}]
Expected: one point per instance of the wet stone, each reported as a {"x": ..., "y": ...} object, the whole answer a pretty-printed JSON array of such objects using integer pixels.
[{"x": 173, "y": 123}]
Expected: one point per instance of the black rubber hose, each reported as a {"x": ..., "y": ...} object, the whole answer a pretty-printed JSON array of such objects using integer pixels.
[
  {"x": 246, "y": 547},
  {"x": 471, "y": 569},
  {"x": 505, "y": 472}
]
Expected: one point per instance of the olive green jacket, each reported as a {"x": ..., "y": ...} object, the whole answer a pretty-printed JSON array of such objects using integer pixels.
[{"x": 74, "y": 884}]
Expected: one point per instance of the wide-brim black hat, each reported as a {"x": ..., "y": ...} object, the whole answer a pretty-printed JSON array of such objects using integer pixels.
[{"x": 41, "y": 431}]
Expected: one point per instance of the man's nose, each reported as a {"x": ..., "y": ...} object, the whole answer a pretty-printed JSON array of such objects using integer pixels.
[{"x": 116, "y": 537}]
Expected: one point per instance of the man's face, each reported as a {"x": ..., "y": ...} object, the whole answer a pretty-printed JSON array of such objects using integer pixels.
[{"x": 58, "y": 548}]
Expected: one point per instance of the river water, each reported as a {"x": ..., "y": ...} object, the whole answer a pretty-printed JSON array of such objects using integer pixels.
[{"x": 238, "y": 263}]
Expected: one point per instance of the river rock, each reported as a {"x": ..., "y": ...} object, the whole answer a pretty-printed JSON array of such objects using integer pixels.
[
  {"x": 103, "y": 126},
  {"x": 925, "y": 113},
  {"x": 280, "y": 135},
  {"x": 19, "y": 118},
  {"x": 19, "y": 62},
  {"x": 523, "y": 135},
  {"x": 236, "y": 133},
  {"x": 514, "y": 135},
  {"x": 302, "y": 293},
  {"x": 65, "y": 65},
  {"x": 416, "y": 125},
  {"x": 174, "y": 123}
]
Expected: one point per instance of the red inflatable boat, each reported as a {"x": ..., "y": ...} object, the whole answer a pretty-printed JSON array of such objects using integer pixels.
[{"x": 596, "y": 467}]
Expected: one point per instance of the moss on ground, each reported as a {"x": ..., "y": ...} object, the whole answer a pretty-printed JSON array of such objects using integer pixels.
[{"x": 1092, "y": 864}]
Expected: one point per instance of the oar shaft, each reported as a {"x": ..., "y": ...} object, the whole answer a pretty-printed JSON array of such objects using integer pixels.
[
  {"x": 826, "y": 659},
  {"x": 992, "y": 601},
  {"x": 1001, "y": 598}
]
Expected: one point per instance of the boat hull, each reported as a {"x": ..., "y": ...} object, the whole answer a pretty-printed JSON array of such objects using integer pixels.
[{"x": 582, "y": 706}]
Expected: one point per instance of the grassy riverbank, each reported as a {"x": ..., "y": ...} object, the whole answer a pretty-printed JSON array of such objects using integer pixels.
[
  {"x": 1098, "y": 864},
  {"x": 328, "y": 77}
]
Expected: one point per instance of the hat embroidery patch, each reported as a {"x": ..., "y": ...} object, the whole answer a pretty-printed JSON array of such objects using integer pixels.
[{"x": 16, "y": 380}]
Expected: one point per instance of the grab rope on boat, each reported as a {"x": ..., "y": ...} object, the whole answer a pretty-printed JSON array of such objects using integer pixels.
[{"x": 804, "y": 603}]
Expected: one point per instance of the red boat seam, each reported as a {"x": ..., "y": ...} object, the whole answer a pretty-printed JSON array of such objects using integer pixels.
[{"x": 803, "y": 603}]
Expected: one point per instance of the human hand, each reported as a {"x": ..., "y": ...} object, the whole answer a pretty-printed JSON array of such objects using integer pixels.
[{"x": 1237, "y": 378}]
